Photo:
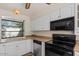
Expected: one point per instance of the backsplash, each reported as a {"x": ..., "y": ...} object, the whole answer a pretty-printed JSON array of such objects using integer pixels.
[{"x": 49, "y": 33}]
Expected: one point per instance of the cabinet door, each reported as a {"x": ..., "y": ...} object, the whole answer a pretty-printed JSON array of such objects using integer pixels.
[
  {"x": 77, "y": 19},
  {"x": 29, "y": 45},
  {"x": 55, "y": 15},
  {"x": 18, "y": 48},
  {"x": 2, "y": 50},
  {"x": 44, "y": 23},
  {"x": 11, "y": 49},
  {"x": 24, "y": 47},
  {"x": 72, "y": 9},
  {"x": 21, "y": 48},
  {"x": 67, "y": 11}
]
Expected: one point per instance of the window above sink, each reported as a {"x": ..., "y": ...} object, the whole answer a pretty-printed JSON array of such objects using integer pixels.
[{"x": 11, "y": 28}]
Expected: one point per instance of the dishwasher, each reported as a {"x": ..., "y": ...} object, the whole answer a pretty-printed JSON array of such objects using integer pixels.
[{"x": 37, "y": 48}]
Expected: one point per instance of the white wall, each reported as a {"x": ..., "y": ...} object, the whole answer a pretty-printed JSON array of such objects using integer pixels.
[{"x": 5, "y": 14}]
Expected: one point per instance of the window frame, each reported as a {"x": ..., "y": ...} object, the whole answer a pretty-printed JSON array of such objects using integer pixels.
[{"x": 12, "y": 26}]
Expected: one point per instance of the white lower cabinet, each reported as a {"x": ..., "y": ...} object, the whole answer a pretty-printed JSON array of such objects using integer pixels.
[
  {"x": 29, "y": 46},
  {"x": 17, "y": 48},
  {"x": 11, "y": 49},
  {"x": 21, "y": 48},
  {"x": 2, "y": 50}
]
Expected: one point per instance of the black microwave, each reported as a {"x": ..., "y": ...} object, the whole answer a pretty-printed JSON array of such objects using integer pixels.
[{"x": 63, "y": 24}]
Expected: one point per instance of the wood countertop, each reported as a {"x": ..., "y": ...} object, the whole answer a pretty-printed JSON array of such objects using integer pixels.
[
  {"x": 12, "y": 40},
  {"x": 32, "y": 37},
  {"x": 39, "y": 38}
]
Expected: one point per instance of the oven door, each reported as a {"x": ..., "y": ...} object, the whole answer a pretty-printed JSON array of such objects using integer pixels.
[{"x": 49, "y": 50}]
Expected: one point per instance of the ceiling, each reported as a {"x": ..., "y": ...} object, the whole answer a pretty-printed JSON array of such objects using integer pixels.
[{"x": 36, "y": 10}]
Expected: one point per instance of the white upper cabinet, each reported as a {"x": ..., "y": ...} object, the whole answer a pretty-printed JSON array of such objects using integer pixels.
[
  {"x": 42, "y": 23},
  {"x": 73, "y": 10},
  {"x": 64, "y": 12},
  {"x": 67, "y": 11},
  {"x": 77, "y": 19},
  {"x": 55, "y": 15}
]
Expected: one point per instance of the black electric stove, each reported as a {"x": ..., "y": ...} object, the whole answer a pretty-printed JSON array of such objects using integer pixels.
[{"x": 62, "y": 45}]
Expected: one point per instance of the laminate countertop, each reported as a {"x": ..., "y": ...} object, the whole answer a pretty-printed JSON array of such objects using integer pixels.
[
  {"x": 28, "y": 37},
  {"x": 39, "y": 38},
  {"x": 8, "y": 40}
]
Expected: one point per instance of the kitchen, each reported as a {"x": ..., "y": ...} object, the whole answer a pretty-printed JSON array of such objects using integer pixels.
[{"x": 52, "y": 32}]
